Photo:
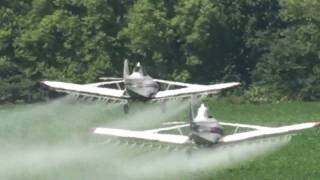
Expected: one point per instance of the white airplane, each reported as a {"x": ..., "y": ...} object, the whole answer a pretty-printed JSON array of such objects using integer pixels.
[
  {"x": 205, "y": 131},
  {"x": 138, "y": 86}
]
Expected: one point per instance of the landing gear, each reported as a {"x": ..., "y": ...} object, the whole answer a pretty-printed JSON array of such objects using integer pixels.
[{"x": 126, "y": 108}]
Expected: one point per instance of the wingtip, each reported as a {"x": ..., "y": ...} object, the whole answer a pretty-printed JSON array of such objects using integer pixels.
[
  {"x": 317, "y": 124},
  {"x": 92, "y": 130},
  {"x": 46, "y": 82},
  {"x": 234, "y": 84}
]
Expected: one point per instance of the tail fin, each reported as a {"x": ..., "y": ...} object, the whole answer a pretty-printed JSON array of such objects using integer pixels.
[{"x": 125, "y": 68}]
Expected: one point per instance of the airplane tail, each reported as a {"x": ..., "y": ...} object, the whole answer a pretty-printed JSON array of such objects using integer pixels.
[{"x": 125, "y": 68}]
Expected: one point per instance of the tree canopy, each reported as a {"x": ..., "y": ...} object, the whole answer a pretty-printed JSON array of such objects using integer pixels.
[{"x": 271, "y": 46}]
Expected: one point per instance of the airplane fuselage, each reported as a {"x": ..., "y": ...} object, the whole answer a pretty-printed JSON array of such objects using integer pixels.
[
  {"x": 140, "y": 87},
  {"x": 206, "y": 132}
]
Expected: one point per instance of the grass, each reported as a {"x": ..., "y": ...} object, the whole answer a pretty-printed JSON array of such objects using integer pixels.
[
  {"x": 51, "y": 141},
  {"x": 298, "y": 160}
]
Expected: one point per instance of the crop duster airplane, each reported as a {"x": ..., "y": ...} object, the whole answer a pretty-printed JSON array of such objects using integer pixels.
[
  {"x": 205, "y": 131},
  {"x": 138, "y": 86}
]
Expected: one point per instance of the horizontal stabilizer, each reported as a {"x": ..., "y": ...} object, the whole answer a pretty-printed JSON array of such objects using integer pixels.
[
  {"x": 160, "y": 81},
  {"x": 168, "y": 128},
  {"x": 110, "y": 78},
  {"x": 249, "y": 126},
  {"x": 194, "y": 90}
]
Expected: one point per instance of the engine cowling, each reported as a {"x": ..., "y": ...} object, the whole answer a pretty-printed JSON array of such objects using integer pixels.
[{"x": 206, "y": 132}]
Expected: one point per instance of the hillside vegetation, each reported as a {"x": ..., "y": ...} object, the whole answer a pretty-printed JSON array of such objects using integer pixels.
[{"x": 271, "y": 46}]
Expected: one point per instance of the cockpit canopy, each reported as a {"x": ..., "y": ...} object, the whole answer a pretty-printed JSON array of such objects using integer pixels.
[{"x": 138, "y": 72}]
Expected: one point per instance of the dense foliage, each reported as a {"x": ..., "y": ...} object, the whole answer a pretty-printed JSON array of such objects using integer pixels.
[{"x": 271, "y": 46}]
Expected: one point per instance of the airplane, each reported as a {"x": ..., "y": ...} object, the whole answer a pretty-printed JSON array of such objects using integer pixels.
[
  {"x": 204, "y": 131},
  {"x": 138, "y": 86}
]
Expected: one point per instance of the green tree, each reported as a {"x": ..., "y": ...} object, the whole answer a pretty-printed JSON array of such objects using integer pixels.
[
  {"x": 291, "y": 64},
  {"x": 62, "y": 39},
  {"x": 206, "y": 40}
]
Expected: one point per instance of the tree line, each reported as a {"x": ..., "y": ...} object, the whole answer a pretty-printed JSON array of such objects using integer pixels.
[{"x": 271, "y": 46}]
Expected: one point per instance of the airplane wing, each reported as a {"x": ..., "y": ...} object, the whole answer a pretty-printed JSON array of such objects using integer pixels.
[
  {"x": 194, "y": 90},
  {"x": 86, "y": 89},
  {"x": 262, "y": 133},
  {"x": 154, "y": 135},
  {"x": 144, "y": 135}
]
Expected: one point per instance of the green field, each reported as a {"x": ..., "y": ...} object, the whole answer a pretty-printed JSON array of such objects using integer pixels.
[{"x": 52, "y": 141}]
